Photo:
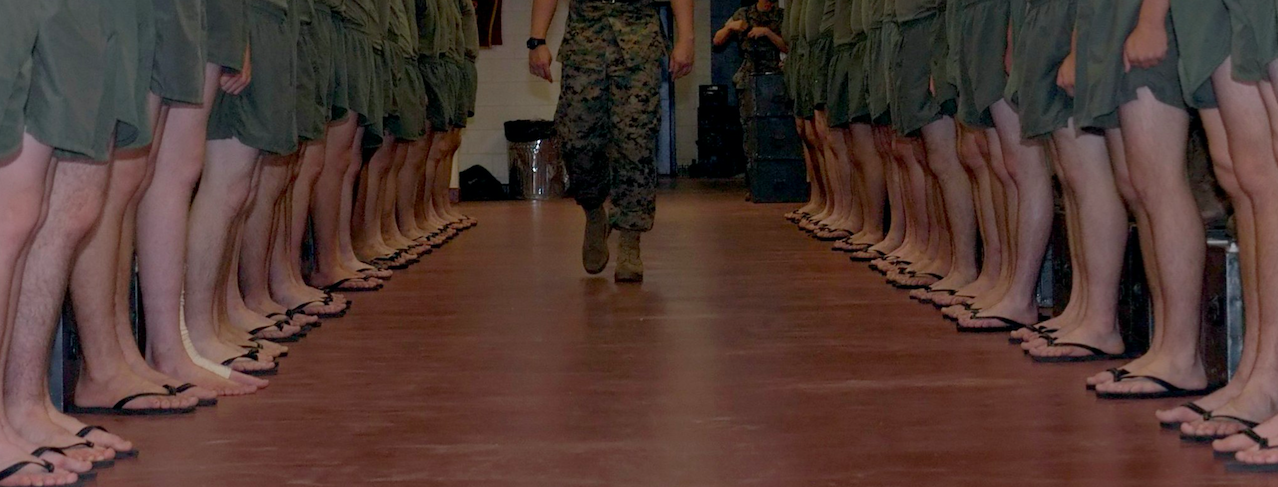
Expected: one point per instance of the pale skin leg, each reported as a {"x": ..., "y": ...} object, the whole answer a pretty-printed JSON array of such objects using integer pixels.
[
  {"x": 25, "y": 180},
  {"x": 287, "y": 285},
  {"x": 1154, "y": 135},
  {"x": 162, "y": 224},
  {"x": 1100, "y": 237},
  {"x": 328, "y": 211},
  {"x": 1027, "y": 165},
  {"x": 1266, "y": 356},
  {"x": 872, "y": 187}
]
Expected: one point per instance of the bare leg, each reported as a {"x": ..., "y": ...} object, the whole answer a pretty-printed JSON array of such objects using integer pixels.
[
  {"x": 367, "y": 224},
  {"x": 1100, "y": 228},
  {"x": 816, "y": 198},
  {"x": 224, "y": 190},
  {"x": 1027, "y": 166},
  {"x": 76, "y": 201},
  {"x": 328, "y": 210},
  {"x": 287, "y": 285},
  {"x": 1155, "y": 136},
  {"x": 873, "y": 187},
  {"x": 162, "y": 231},
  {"x": 956, "y": 193},
  {"x": 24, "y": 179}
]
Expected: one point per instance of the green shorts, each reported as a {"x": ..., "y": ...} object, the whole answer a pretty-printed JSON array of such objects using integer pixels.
[
  {"x": 456, "y": 74},
  {"x": 1042, "y": 46},
  {"x": 470, "y": 86},
  {"x": 407, "y": 117},
  {"x": 1255, "y": 37},
  {"x": 876, "y": 68},
  {"x": 18, "y": 26},
  {"x": 439, "y": 94},
  {"x": 381, "y": 85},
  {"x": 919, "y": 53},
  {"x": 130, "y": 29},
  {"x": 226, "y": 33},
  {"x": 263, "y": 116},
  {"x": 981, "y": 77},
  {"x": 354, "y": 74},
  {"x": 1101, "y": 85},
  {"x": 312, "y": 82},
  {"x": 69, "y": 106},
  {"x": 820, "y": 52},
  {"x": 178, "y": 69},
  {"x": 801, "y": 88},
  {"x": 339, "y": 100},
  {"x": 846, "y": 101}
]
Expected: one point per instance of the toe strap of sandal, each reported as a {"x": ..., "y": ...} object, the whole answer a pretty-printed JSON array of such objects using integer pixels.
[
  {"x": 1260, "y": 440},
  {"x": 124, "y": 402},
  {"x": 13, "y": 469},
  {"x": 47, "y": 449}
]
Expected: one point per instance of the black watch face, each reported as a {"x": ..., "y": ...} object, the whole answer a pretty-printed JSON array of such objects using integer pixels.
[{"x": 535, "y": 43}]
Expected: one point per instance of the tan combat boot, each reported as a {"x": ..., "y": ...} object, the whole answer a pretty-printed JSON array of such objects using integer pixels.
[
  {"x": 594, "y": 250},
  {"x": 629, "y": 265}
]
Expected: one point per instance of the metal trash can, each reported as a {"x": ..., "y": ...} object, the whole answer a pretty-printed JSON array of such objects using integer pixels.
[{"x": 536, "y": 172}]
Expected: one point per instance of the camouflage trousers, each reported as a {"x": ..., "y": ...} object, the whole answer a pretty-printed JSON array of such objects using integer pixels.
[{"x": 608, "y": 119}]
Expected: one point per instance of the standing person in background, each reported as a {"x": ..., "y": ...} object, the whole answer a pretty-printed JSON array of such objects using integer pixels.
[
  {"x": 757, "y": 30},
  {"x": 608, "y": 113}
]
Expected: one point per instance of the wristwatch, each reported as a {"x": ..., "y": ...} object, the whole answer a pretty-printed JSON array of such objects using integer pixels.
[{"x": 534, "y": 43}]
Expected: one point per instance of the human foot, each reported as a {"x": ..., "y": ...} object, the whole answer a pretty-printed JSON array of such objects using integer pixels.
[
  {"x": 20, "y": 469},
  {"x": 1159, "y": 377},
  {"x": 1257, "y": 401},
  {"x": 188, "y": 371},
  {"x": 1200, "y": 408},
  {"x": 32, "y": 424},
  {"x": 1082, "y": 343},
  {"x": 93, "y": 434},
  {"x": 114, "y": 393}
]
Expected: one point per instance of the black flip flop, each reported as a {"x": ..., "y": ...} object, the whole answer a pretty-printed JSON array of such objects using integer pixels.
[
  {"x": 1210, "y": 438},
  {"x": 62, "y": 450},
  {"x": 203, "y": 403},
  {"x": 12, "y": 470},
  {"x": 860, "y": 256},
  {"x": 298, "y": 310},
  {"x": 119, "y": 454},
  {"x": 278, "y": 325},
  {"x": 118, "y": 408},
  {"x": 252, "y": 355},
  {"x": 337, "y": 286},
  {"x": 1094, "y": 354},
  {"x": 1171, "y": 390},
  {"x": 1008, "y": 325},
  {"x": 1118, "y": 374},
  {"x": 1205, "y": 414},
  {"x": 1263, "y": 443}
]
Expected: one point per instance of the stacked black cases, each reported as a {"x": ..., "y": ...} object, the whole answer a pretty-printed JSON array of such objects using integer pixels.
[
  {"x": 775, "y": 154},
  {"x": 719, "y": 145}
]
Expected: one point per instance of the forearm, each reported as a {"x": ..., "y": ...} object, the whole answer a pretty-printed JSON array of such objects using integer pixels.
[
  {"x": 543, "y": 12},
  {"x": 723, "y": 36},
  {"x": 1153, "y": 13},
  {"x": 684, "y": 29},
  {"x": 778, "y": 41}
]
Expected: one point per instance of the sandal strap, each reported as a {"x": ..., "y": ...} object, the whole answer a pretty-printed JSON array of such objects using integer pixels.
[
  {"x": 1093, "y": 350},
  {"x": 1245, "y": 422},
  {"x": 11, "y": 470},
  {"x": 87, "y": 430},
  {"x": 1168, "y": 386},
  {"x": 1197, "y": 409},
  {"x": 124, "y": 402},
  {"x": 1260, "y": 440}
]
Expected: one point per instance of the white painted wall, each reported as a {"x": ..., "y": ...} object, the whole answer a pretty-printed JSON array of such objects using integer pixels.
[{"x": 508, "y": 92}]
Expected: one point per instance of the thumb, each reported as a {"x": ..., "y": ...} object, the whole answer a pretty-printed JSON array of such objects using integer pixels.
[{"x": 1127, "y": 62}]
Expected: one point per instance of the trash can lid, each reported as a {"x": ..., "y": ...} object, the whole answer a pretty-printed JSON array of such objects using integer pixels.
[{"x": 529, "y": 130}]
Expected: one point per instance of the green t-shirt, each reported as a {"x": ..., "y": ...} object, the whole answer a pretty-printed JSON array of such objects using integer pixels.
[
  {"x": 427, "y": 27},
  {"x": 843, "y": 21},
  {"x": 470, "y": 28},
  {"x": 401, "y": 33},
  {"x": 914, "y": 9},
  {"x": 814, "y": 13},
  {"x": 361, "y": 15},
  {"x": 793, "y": 23}
]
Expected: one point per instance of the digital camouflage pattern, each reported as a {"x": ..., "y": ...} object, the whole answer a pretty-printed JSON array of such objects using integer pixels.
[
  {"x": 760, "y": 55},
  {"x": 608, "y": 116}
]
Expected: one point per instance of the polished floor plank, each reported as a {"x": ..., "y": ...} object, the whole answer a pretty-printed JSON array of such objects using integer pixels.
[{"x": 752, "y": 355}]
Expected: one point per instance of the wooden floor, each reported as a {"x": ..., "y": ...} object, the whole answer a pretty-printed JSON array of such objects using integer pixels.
[{"x": 752, "y": 355}]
